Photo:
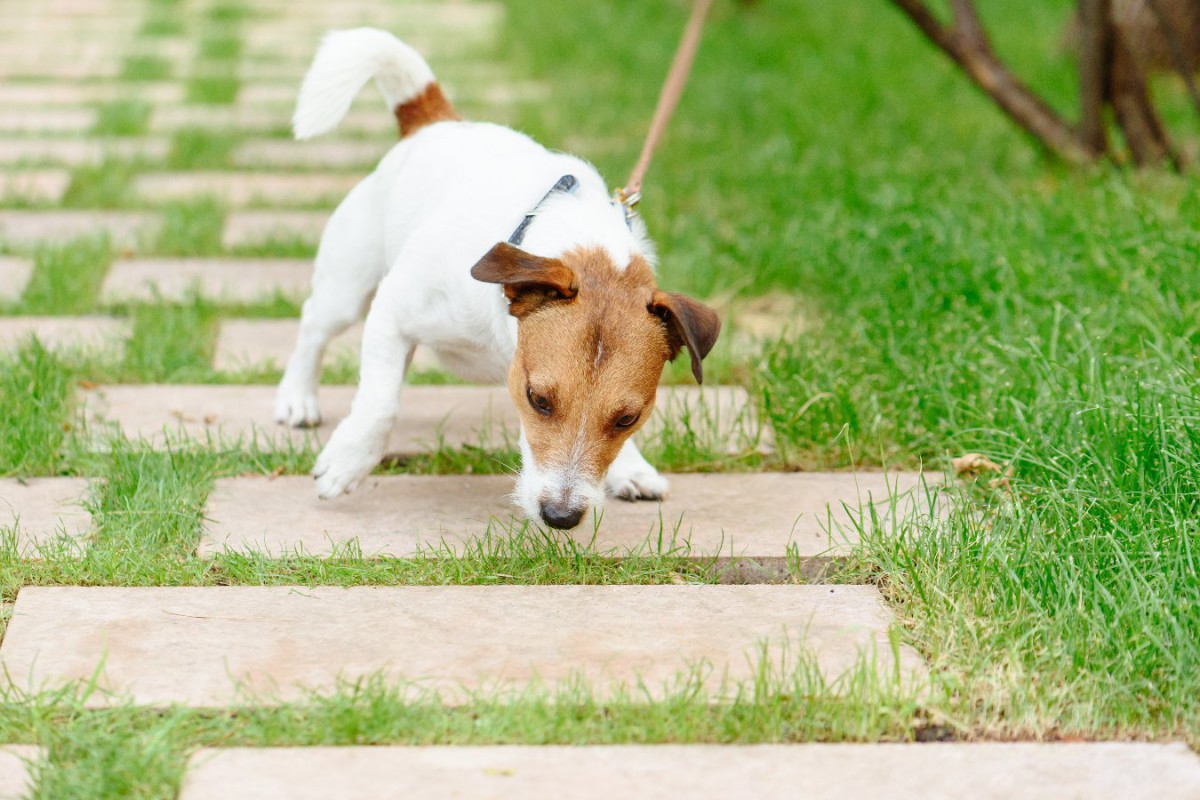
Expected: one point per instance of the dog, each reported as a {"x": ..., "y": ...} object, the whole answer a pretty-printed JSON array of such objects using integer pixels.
[{"x": 511, "y": 263}]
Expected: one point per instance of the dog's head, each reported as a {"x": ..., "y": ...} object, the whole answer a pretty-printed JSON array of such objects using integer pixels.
[{"x": 591, "y": 345}]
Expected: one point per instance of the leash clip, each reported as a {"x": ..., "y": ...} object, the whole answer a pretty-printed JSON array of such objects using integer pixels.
[{"x": 627, "y": 199}]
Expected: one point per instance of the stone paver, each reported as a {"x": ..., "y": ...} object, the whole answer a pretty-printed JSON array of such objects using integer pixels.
[
  {"x": 65, "y": 333},
  {"x": 42, "y": 509},
  {"x": 78, "y": 152},
  {"x": 43, "y": 94},
  {"x": 125, "y": 228},
  {"x": 247, "y": 188},
  {"x": 42, "y": 185},
  {"x": 754, "y": 516},
  {"x": 324, "y": 153},
  {"x": 15, "y": 780},
  {"x": 194, "y": 645},
  {"x": 237, "y": 280},
  {"x": 260, "y": 119},
  {"x": 984, "y": 771},
  {"x": 249, "y": 228},
  {"x": 46, "y": 120},
  {"x": 454, "y": 415},
  {"x": 268, "y": 343},
  {"x": 14, "y": 277}
]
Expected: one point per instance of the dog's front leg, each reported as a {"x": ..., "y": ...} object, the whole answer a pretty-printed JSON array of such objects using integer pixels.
[
  {"x": 632, "y": 478},
  {"x": 357, "y": 444}
]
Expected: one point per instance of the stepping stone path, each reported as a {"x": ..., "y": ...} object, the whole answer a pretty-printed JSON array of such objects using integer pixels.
[
  {"x": 14, "y": 276},
  {"x": 452, "y": 416},
  {"x": 14, "y": 770},
  {"x": 1109, "y": 771},
  {"x": 65, "y": 333},
  {"x": 221, "y": 279},
  {"x": 242, "y": 645},
  {"x": 77, "y": 118},
  {"x": 759, "y": 517},
  {"x": 41, "y": 510}
]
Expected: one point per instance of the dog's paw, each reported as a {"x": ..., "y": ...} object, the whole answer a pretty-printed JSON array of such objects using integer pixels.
[
  {"x": 296, "y": 407},
  {"x": 343, "y": 464},
  {"x": 639, "y": 484}
]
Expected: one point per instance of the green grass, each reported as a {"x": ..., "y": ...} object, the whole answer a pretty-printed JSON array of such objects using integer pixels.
[
  {"x": 961, "y": 291},
  {"x": 191, "y": 228},
  {"x": 66, "y": 277},
  {"x": 213, "y": 89},
  {"x": 199, "y": 149},
  {"x": 122, "y": 118},
  {"x": 104, "y": 185},
  {"x": 146, "y": 68}
]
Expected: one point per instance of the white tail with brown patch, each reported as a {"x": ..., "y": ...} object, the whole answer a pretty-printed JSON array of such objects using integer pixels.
[{"x": 344, "y": 63}]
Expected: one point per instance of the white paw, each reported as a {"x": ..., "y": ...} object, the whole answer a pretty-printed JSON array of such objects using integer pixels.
[
  {"x": 643, "y": 483},
  {"x": 344, "y": 462},
  {"x": 296, "y": 407}
]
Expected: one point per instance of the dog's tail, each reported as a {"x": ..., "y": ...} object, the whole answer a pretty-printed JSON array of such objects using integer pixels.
[{"x": 346, "y": 60}]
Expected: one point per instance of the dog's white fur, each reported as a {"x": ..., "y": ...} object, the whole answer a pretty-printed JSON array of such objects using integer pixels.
[{"x": 408, "y": 236}]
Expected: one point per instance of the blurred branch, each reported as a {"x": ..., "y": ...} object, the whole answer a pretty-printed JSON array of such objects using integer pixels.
[
  {"x": 1179, "y": 53},
  {"x": 1095, "y": 53},
  {"x": 966, "y": 43},
  {"x": 1130, "y": 98}
]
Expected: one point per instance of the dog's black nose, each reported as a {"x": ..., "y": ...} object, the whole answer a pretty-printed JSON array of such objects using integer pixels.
[{"x": 561, "y": 516}]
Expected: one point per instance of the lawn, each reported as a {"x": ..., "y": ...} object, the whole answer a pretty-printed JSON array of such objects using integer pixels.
[{"x": 960, "y": 292}]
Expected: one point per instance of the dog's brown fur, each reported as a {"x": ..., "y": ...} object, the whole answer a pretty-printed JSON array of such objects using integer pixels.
[
  {"x": 592, "y": 342},
  {"x": 428, "y": 107}
]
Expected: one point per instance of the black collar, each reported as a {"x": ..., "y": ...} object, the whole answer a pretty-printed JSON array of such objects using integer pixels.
[{"x": 566, "y": 184}]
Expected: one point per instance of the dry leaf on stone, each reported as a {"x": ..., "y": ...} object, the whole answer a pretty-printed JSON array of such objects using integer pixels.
[{"x": 973, "y": 465}]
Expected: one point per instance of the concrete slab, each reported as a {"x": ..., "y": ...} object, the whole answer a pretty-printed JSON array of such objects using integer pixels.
[
  {"x": 41, "y": 185},
  {"x": 41, "y": 510},
  {"x": 220, "y": 646},
  {"x": 124, "y": 228},
  {"x": 231, "y": 280},
  {"x": 263, "y": 119},
  {"x": 95, "y": 334},
  {"x": 47, "y": 120},
  {"x": 247, "y": 188},
  {"x": 983, "y": 771},
  {"x": 45, "y": 94},
  {"x": 15, "y": 780},
  {"x": 481, "y": 416},
  {"x": 79, "y": 152},
  {"x": 268, "y": 343},
  {"x": 14, "y": 277},
  {"x": 251, "y": 228},
  {"x": 756, "y": 516},
  {"x": 324, "y": 153}
]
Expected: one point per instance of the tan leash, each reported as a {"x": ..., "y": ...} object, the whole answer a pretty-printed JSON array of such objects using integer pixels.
[{"x": 629, "y": 196}]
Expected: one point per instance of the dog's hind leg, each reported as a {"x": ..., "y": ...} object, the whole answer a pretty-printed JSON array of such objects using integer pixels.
[{"x": 348, "y": 268}]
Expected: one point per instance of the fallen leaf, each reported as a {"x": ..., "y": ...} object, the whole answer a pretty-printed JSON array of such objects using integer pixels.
[
  {"x": 86, "y": 384},
  {"x": 973, "y": 464}
]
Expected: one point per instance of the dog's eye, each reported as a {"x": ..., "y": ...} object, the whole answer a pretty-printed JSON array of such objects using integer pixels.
[
  {"x": 626, "y": 421},
  {"x": 539, "y": 402}
]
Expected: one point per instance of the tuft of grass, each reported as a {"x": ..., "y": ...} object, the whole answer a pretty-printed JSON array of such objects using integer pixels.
[
  {"x": 146, "y": 68},
  {"x": 223, "y": 46},
  {"x": 104, "y": 185},
  {"x": 67, "y": 277},
  {"x": 122, "y": 118},
  {"x": 170, "y": 343},
  {"x": 35, "y": 403},
  {"x": 191, "y": 228},
  {"x": 213, "y": 89},
  {"x": 198, "y": 149}
]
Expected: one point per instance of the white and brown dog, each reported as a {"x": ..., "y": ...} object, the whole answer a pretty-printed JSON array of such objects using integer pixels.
[{"x": 580, "y": 329}]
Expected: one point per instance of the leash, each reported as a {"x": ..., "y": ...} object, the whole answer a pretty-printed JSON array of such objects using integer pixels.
[{"x": 628, "y": 196}]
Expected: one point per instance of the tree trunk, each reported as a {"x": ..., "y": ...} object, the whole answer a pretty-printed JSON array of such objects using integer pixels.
[{"x": 1095, "y": 54}]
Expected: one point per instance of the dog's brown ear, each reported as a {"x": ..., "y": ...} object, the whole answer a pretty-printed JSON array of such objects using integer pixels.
[
  {"x": 528, "y": 280},
  {"x": 688, "y": 323}
]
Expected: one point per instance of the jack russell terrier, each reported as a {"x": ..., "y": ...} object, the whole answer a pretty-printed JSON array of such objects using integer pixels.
[{"x": 577, "y": 325}]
